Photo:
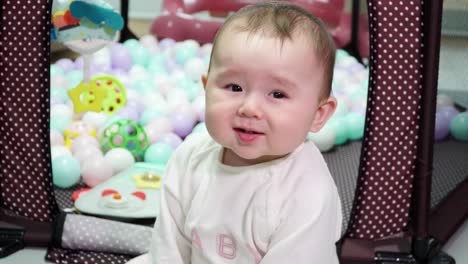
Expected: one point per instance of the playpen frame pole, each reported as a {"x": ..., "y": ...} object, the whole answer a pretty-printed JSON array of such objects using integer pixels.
[{"x": 432, "y": 17}]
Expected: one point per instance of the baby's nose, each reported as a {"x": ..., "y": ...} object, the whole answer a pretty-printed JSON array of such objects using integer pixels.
[{"x": 251, "y": 107}]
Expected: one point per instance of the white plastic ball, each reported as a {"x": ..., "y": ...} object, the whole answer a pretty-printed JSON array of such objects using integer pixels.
[
  {"x": 194, "y": 68},
  {"x": 88, "y": 152},
  {"x": 57, "y": 151},
  {"x": 120, "y": 159},
  {"x": 96, "y": 171},
  {"x": 444, "y": 100},
  {"x": 323, "y": 139},
  {"x": 83, "y": 141},
  {"x": 97, "y": 120},
  {"x": 191, "y": 43},
  {"x": 153, "y": 99},
  {"x": 61, "y": 110},
  {"x": 150, "y": 43},
  {"x": 206, "y": 49},
  {"x": 56, "y": 138},
  {"x": 138, "y": 72}
]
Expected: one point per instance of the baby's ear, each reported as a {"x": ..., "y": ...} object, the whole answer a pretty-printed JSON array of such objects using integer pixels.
[
  {"x": 324, "y": 112},
  {"x": 204, "y": 79}
]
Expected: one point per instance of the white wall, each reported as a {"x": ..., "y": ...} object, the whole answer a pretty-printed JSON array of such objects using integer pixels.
[{"x": 140, "y": 9}]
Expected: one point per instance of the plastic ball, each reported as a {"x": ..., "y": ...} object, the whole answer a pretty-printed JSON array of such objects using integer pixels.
[
  {"x": 158, "y": 126},
  {"x": 442, "y": 126},
  {"x": 97, "y": 120},
  {"x": 194, "y": 68},
  {"x": 170, "y": 139},
  {"x": 87, "y": 152},
  {"x": 76, "y": 129},
  {"x": 83, "y": 141},
  {"x": 120, "y": 57},
  {"x": 182, "y": 123},
  {"x": 61, "y": 110},
  {"x": 128, "y": 113},
  {"x": 56, "y": 138},
  {"x": 59, "y": 82},
  {"x": 166, "y": 43},
  {"x": 65, "y": 171},
  {"x": 149, "y": 114},
  {"x": 96, "y": 171},
  {"x": 199, "y": 106},
  {"x": 323, "y": 139},
  {"x": 205, "y": 50},
  {"x": 185, "y": 53},
  {"x": 200, "y": 128},
  {"x": 66, "y": 65},
  {"x": 74, "y": 78},
  {"x": 59, "y": 123},
  {"x": 150, "y": 43},
  {"x": 140, "y": 55},
  {"x": 355, "y": 123},
  {"x": 143, "y": 87},
  {"x": 131, "y": 43},
  {"x": 120, "y": 159},
  {"x": 339, "y": 126},
  {"x": 59, "y": 93},
  {"x": 158, "y": 153},
  {"x": 444, "y": 100},
  {"x": 56, "y": 70},
  {"x": 341, "y": 110},
  {"x": 459, "y": 126},
  {"x": 126, "y": 134},
  {"x": 449, "y": 112},
  {"x": 57, "y": 151}
]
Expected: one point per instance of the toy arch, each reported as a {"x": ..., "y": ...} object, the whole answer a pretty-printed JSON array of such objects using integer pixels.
[{"x": 29, "y": 213}]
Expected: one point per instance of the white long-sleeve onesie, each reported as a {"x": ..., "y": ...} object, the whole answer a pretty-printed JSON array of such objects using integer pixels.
[{"x": 283, "y": 211}]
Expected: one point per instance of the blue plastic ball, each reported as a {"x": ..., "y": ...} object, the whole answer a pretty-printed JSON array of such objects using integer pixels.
[
  {"x": 459, "y": 126},
  {"x": 65, "y": 171},
  {"x": 158, "y": 153}
]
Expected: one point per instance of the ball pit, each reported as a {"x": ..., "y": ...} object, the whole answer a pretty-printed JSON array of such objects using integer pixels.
[{"x": 165, "y": 103}]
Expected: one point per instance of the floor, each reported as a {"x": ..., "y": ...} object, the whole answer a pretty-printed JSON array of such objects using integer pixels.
[{"x": 453, "y": 78}]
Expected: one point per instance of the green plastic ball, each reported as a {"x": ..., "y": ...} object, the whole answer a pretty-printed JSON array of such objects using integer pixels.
[
  {"x": 158, "y": 153},
  {"x": 66, "y": 171},
  {"x": 59, "y": 123},
  {"x": 459, "y": 126},
  {"x": 355, "y": 123},
  {"x": 339, "y": 126},
  {"x": 185, "y": 53},
  {"x": 125, "y": 134}
]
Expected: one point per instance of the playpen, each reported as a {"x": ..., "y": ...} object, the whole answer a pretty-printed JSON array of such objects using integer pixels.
[{"x": 393, "y": 214}]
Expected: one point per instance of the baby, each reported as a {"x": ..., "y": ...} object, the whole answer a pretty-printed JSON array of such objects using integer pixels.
[{"x": 253, "y": 190}]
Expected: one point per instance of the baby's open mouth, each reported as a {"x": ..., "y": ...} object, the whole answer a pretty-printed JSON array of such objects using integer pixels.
[{"x": 238, "y": 129}]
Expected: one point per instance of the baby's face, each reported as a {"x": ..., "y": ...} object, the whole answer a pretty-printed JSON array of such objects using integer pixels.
[{"x": 261, "y": 97}]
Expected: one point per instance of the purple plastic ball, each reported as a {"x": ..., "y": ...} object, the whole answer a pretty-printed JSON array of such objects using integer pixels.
[
  {"x": 172, "y": 65},
  {"x": 170, "y": 139},
  {"x": 442, "y": 126},
  {"x": 79, "y": 63},
  {"x": 128, "y": 113},
  {"x": 66, "y": 65},
  {"x": 121, "y": 57},
  {"x": 449, "y": 112},
  {"x": 183, "y": 123}
]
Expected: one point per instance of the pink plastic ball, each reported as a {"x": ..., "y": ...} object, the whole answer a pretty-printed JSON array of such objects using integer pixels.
[
  {"x": 84, "y": 141},
  {"x": 88, "y": 152},
  {"x": 157, "y": 127},
  {"x": 56, "y": 138},
  {"x": 96, "y": 171}
]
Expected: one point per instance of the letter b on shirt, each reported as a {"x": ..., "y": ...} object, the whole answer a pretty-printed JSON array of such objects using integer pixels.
[{"x": 226, "y": 246}]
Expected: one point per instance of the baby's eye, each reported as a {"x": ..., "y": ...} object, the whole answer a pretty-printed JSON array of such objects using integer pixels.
[
  {"x": 278, "y": 95},
  {"x": 234, "y": 88}
]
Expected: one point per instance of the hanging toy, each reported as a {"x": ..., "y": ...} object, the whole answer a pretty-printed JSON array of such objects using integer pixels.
[{"x": 86, "y": 26}]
